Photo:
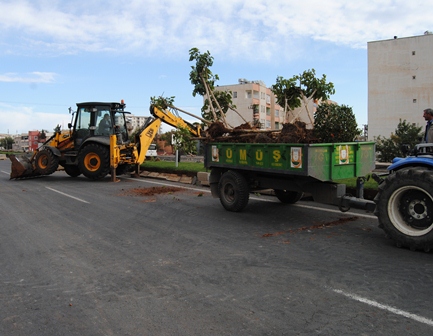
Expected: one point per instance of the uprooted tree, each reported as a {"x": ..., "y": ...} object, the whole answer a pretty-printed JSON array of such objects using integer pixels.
[
  {"x": 216, "y": 103},
  {"x": 334, "y": 122},
  {"x": 301, "y": 89}
]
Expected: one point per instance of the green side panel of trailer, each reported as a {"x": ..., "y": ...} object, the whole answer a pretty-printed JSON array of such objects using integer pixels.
[{"x": 325, "y": 162}]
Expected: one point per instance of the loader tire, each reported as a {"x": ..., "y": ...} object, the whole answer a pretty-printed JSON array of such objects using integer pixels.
[
  {"x": 288, "y": 196},
  {"x": 94, "y": 161},
  {"x": 72, "y": 170},
  {"x": 46, "y": 162},
  {"x": 233, "y": 191},
  {"x": 404, "y": 207}
]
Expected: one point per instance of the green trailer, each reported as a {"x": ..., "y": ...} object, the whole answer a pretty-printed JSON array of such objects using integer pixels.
[{"x": 290, "y": 170}]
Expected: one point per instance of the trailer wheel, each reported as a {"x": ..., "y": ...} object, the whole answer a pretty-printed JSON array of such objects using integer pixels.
[
  {"x": 233, "y": 191},
  {"x": 72, "y": 170},
  {"x": 46, "y": 162},
  {"x": 94, "y": 161},
  {"x": 288, "y": 196},
  {"x": 404, "y": 207}
]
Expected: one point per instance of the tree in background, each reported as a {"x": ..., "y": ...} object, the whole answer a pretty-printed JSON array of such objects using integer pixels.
[
  {"x": 335, "y": 123},
  {"x": 6, "y": 142},
  {"x": 405, "y": 134},
  {"x": 291, "y": 93}
]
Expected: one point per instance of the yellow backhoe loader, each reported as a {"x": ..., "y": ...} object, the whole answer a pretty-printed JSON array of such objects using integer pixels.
[{"x": 96, "y": 143}]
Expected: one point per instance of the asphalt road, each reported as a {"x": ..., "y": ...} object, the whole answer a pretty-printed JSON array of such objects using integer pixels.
[{"x": 97, "y": 258}]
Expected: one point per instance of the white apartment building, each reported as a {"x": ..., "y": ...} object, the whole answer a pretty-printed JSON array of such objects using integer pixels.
[
  {"x": 400, "y": 82},
  {"x": 135, "y": 122}
]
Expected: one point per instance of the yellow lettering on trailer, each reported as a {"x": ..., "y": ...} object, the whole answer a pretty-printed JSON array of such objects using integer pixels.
[
  {"x": 259, "y": 155},
  {"x": 229, "y": 153},
  {"x": 276, "y": 155}
]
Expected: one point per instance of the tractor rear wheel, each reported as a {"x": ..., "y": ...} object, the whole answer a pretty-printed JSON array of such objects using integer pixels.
[
  {"x": 404, "y": 207},
  {"x": 233, "y": 191},
  {"x": 94, "y": 161},
  {"x": 46, "y": 162}
]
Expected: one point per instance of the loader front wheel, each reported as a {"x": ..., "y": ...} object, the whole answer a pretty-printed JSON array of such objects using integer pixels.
[
  {"x": 233, "y": 191},
  {"x": 94, "y": 161},
  {"x": 404, "y": 207},
  {"x": 288, "y": 196},
  {"x": 46, "y": 162}
]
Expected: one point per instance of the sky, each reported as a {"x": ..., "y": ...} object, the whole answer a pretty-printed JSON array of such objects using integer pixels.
[{"x": 56, "y": 53}]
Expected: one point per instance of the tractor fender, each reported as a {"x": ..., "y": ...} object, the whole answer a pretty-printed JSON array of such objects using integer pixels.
[
  {"x": 411, "y": 161},
  {"x": 99, "y": 140},
  {"x": 54, "y": 150}
]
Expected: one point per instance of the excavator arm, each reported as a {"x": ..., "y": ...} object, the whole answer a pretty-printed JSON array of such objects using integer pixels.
[{"x": 169, "y": 118}]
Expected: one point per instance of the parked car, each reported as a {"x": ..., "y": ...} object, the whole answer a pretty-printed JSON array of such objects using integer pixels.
[{"x": 151, "y": 152}]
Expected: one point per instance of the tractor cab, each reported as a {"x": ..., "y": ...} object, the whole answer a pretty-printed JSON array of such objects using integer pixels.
[{"x": 96, "y": 119}]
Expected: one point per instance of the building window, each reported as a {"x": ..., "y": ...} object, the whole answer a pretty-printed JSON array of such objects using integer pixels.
[
  {"x": 262, "y": 95},
  {"x": 268, "y": 111},
  {"x": 235, "y": 94},
  {"x": 268, "y": 99},
  {"x": 256, "y": 94},
  {"x": 277, "y": 126},
  {"x": 262, "y": 109},
  {"x": 277, "y": 113},
  {"x": 268, "y": 124},
  {"x": 414, "y": 100},
  {"x": 248, "y": 94}
]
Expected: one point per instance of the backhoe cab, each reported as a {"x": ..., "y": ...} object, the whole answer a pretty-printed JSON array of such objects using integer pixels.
[{"x": 95, "y": 145}]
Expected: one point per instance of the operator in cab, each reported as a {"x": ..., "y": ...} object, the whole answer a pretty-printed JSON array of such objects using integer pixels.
[{"x": 104, "y": 127}]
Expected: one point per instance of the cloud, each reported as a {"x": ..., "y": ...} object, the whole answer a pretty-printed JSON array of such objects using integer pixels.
[
  {"x": 33, "y": 77},
  {"x": 258, "y": 29},
  {"x": 29, "y": 119}
]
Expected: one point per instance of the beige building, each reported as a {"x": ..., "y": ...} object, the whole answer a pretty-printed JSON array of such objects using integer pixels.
[
  {"x": 256, "y": 103},
  {"x": 400, "y": 82}
]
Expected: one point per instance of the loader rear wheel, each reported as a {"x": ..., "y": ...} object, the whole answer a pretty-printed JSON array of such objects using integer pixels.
[
  {"x": 46, "y": 162},
  {"x": 233, "y": 191},
  {"x": 94, "y": 161},
  {"x": 288, "y": 196},
  {"x": 72, "y": 170},
  {"x": 404, "y": 207}
]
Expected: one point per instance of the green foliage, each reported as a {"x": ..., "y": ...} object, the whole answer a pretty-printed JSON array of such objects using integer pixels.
[
  {"x": 162, "y": 102},
  {"x": 200, "y": 73},
  {"x": 224, "y": 99},
  {"x": 304, "y": 85},
  {"x": 334, "y": 123},
  {"x": 167, "y": 136},
  {"x": 6, "y": 142},
  {"x": 286, "y": 89},
  {"x": 389, "y": 148},
  {"x": 183, "y": 141},
  {"x": 204, "y": 85}
]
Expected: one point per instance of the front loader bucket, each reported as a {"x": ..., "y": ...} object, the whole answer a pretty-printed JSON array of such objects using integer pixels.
[{"x": 21, "y": 167}]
